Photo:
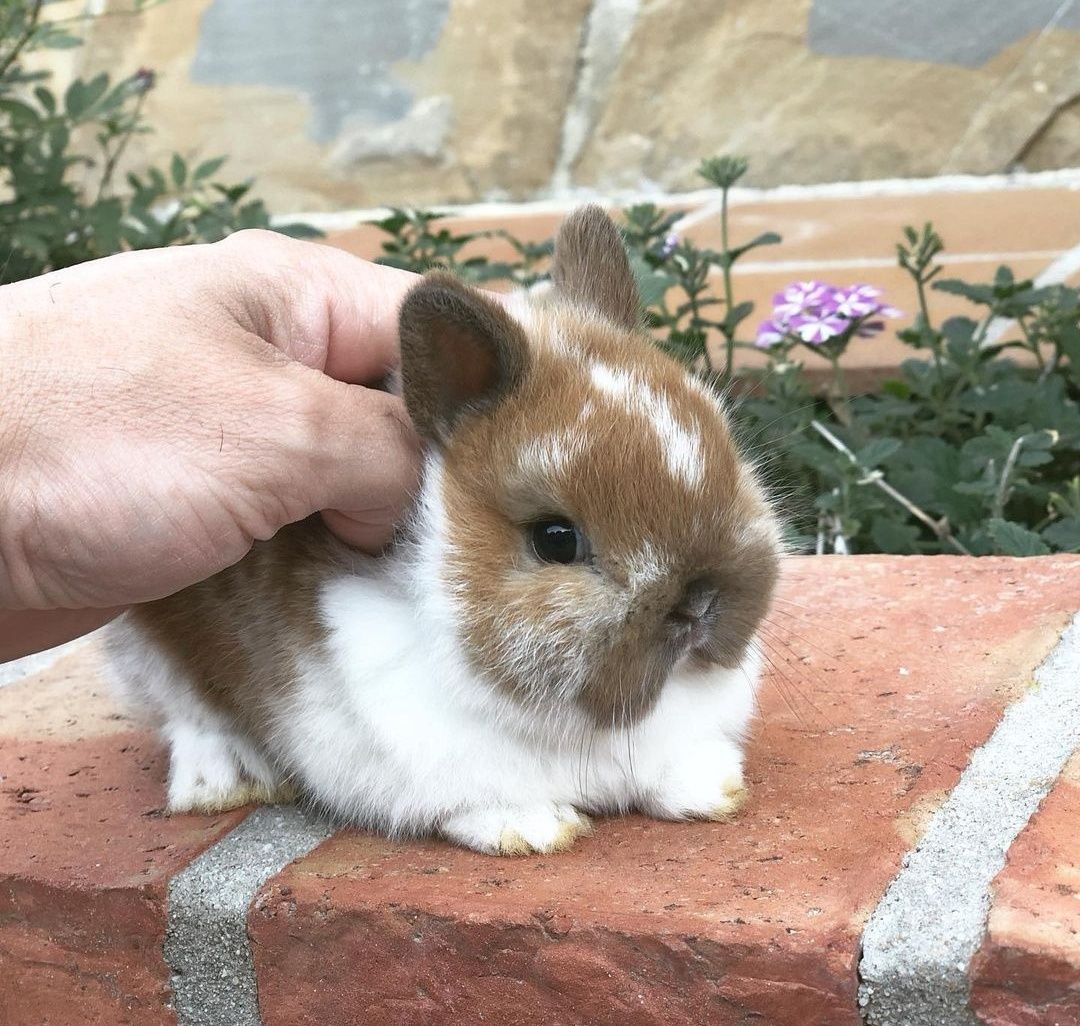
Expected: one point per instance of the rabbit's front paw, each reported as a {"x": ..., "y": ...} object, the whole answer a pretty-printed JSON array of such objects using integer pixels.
[
  {"x": 703, "y": 782},
  {"x": 518, "y": 830}
]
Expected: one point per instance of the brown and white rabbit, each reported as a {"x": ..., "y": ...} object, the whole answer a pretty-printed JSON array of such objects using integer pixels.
[{"x": 566, "y": 627}]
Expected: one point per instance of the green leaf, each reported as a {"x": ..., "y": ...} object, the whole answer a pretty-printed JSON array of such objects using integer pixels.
[
  {"x": 56, "y": 40},
  {"x": 764, "y": 239},
  {"x": 895, "y": 387},
  {"x": 22, "y": 115},
  {"x": 299, "y": 230},
  {"x": 178, "y": 170},
  {"x": 877, "y": 451},
  {"x": 1069, "y": 341},
  {"x": 897, "y": 537},
  {"x": 736, "y": 315},
  {"x": 46, "y": 98},
  {"x": 1064, "y": 534},
  {"x": 1012, "y": 539},
  {"x": 81, "y": 96},
  {"x": 207, "y": 168},
  {"x": 980, "y": 294},
  {"x": 31, "y": 242},
  {"x": 722, "y": 172},
  {"x": 652, "y": 285}
]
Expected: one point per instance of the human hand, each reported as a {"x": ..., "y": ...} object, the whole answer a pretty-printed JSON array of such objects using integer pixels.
[{"x": 163, "y": 409}]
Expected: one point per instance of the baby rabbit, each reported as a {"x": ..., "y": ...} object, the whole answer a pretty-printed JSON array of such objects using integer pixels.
[{"x": 566, "y": 625}]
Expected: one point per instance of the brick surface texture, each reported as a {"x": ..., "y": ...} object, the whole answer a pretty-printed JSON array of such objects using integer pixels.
[
  {"x": 1028, "y": 970},
  {"x": 884, "y": 673},
  {"x": 85, "y": 855}
]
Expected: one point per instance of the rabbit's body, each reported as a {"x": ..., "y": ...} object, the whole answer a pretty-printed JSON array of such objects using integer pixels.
[
  {"x": 378, "y": 718},
  {"x": 566, "y": 627}
]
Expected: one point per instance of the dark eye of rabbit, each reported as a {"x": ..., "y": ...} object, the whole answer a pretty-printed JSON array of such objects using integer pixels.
[{"x": 557, "y": 540}]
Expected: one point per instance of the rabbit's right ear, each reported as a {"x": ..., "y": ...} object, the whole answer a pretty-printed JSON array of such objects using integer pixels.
[{"x": 460, "y": 353}]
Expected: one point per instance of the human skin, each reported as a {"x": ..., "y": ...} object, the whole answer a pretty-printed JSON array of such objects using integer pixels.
[{"x": 162, "y": 410}]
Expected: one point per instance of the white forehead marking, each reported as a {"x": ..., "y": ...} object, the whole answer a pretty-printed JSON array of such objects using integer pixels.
[
  {"x": 549, "y": 454},
  {"x": 682, "y": 450}
]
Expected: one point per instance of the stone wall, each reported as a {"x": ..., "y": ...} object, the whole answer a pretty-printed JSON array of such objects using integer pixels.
[{"x": 354, "y": 103}]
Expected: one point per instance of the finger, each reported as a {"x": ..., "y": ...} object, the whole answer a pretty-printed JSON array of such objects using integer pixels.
[
  {"x": 318, "y": 305},
  {"x": 362, "y": 303},
  {"x": 368, "y": 530},
  {"x": 367, "y": 467}
]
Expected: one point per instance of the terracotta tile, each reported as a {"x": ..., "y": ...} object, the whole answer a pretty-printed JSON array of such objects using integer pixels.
[
  {"x": 1003, "y": 221},
  {"x": 85, "y": 854},
  {"x": 528, "y": 226},
  {"x": 887, "y": 672},
  {"x": 1027, "y": 972},
  {"x": 1009, "y": 222}
]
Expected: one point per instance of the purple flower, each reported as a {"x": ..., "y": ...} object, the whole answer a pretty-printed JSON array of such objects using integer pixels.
[
  {"x": 820, "y": 326},
  {"x": 671, "y": 240},
  {"x": 815, "y": 312},
  {"x": 769, "y": 333},
  {"x": 799, "y": 298},
  {"x": 143, "y": 80},
  {"x": 856, "y": 301}
]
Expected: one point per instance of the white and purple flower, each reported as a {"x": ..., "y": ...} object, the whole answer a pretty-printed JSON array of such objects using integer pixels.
[{"x": 814, "y": 312}]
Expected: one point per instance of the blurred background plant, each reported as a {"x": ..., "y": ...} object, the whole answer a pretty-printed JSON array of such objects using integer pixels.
[
  {"x": 966, "y": 451},
  {"x": 60, "y": 206}
]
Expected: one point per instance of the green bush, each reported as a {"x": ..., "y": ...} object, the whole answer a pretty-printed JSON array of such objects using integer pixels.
[
  {"x": 965, "y": 451},
  {"x": 62, "y": 206}
]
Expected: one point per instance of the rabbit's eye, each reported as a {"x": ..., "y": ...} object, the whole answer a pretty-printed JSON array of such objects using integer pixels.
[{"x": 556, "y": 540}]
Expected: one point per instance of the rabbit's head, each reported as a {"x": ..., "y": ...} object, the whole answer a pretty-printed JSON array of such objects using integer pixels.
[{"x": 586, "y": 517}]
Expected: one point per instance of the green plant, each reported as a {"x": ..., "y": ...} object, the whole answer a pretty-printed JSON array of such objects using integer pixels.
[
  {"x": 965, "y": 451},
  {"x": 63, "y": 205}
]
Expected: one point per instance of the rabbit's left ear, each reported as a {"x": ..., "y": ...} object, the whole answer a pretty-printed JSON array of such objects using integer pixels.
[
  {"x": 591, "y": 269},
  {"x": 460, "y": 353}
]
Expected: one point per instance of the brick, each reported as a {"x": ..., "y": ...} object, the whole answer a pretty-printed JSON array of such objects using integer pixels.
[
  {"x": 888, "y": 671},
  {"x": 1027, "y": 972},
  {"x": 1008, "y": 221},
  {"x": 85, "y": 854}
]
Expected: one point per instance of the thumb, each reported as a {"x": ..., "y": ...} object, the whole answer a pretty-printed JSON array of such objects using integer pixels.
[{"x": 366, "y": 465}]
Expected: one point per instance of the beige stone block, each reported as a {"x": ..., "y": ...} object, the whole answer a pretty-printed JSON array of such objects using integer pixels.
[{"x": 694, "y": 81}]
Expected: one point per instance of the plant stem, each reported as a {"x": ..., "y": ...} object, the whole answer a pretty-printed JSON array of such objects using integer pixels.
[
  {"x": 113, "y": 158},
  {"x": 1001, "y": 496},
  {"x": 729, "y": 336},
  {"x": 20, "y": 43},
  {"x": 939, "y": 527}
]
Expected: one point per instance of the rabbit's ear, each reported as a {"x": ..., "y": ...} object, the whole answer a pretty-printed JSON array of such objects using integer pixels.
[
  {"x": 591, "y": 269},
  {"x": 460, "y": 353}
]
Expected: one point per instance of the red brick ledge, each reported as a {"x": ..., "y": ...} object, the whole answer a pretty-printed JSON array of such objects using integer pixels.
[{"x": 888, "y": 672}]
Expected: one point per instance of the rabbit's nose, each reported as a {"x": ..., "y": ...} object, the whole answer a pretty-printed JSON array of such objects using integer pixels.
[{"x": 694, "y": 604}]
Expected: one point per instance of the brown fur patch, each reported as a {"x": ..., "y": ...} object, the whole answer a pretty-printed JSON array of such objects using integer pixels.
[{"x": 239, "y": 634}]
